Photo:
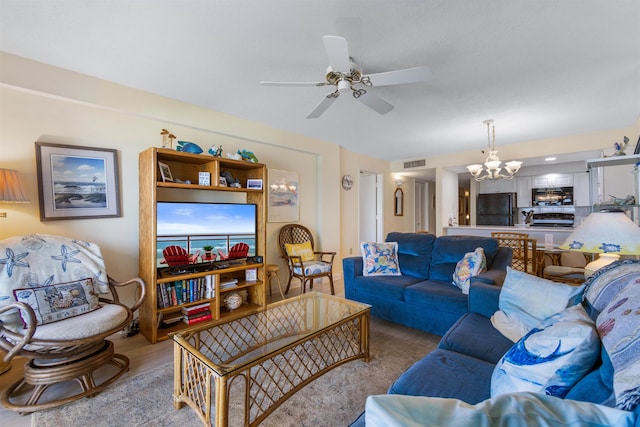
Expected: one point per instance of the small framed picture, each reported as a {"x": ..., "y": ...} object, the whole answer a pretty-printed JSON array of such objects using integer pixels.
[
  {"x": 637, "y": 150},
  {"x": 222, "y": 181},
  {"x": 255, "y": 184},
  {"x": 165, "y": 172},
  {"x": 204, "y": 178}
]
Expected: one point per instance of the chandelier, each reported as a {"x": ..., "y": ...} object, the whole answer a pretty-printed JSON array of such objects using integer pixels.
[{"x": 492, "y": 164}]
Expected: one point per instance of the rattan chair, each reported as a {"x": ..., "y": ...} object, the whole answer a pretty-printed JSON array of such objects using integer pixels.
[
  {"x": 525, "y": 254},
  {"x": 306, "y": 271},
  {"x": 64, "y": 337}
]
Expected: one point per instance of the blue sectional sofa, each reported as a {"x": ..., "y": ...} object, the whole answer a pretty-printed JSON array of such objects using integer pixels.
[
  {"x": 424, "y": 297},
  {"x": 462, "y": 366}
]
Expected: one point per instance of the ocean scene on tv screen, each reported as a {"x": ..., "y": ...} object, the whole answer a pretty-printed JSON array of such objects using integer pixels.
[{"x": 206, "y": 231}]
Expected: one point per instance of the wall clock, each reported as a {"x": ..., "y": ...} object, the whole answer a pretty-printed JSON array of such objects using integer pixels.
[{"x": 347, "y": 182}]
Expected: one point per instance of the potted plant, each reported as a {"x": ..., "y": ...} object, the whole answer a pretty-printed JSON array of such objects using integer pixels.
[{"x": 207, "y": 249}]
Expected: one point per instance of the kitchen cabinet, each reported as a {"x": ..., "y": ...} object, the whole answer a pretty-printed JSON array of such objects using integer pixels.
[
  {"x": 523, "y": 188},
  {"x": 497, "y": 186},
  {"x": 581, "y": 189},
  {"x": 553, "y": 180}
]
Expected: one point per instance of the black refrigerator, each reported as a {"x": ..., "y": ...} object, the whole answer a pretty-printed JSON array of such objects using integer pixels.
[{"x": 496, "y": 209}]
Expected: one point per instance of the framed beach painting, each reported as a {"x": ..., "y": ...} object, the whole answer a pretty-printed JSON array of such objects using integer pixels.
[
  {"x": 284, "y": 196},
  {"x": 77, "y": 182}
]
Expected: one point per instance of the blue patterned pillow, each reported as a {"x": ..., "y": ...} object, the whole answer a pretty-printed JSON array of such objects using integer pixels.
[
  {"x": 551, "y": 358},
  {"x": 472, "y": 264},
  {"x": 380, "y": 259}
]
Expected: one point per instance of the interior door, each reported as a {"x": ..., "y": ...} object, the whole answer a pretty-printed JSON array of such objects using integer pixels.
[
  {"x": 421, "y": 216},
  {"x": 369, "y": 204}
]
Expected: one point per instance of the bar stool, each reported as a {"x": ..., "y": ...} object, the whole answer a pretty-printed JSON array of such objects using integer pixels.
[{"x": 272, "y": 271}]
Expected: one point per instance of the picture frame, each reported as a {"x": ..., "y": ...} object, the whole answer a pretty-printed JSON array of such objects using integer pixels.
[
  {"x": 283, "y": 196},
  {"x": 637, "y": 149},
  {"x": 254, "y": 184},
  {"x": 77, "y": 182},
  {"x": 222, "y": 181},
  {"x": 165, "y": 172}
]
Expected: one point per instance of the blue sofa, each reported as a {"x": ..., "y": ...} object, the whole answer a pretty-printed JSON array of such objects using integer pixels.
[
  {"x": 423, "y": 297},
  {"x": 462, "y": 365}
]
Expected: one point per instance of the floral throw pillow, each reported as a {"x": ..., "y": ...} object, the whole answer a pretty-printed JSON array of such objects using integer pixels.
[
  {"x": 472, "y": 264},
  {"x": 380, "y": 259}
]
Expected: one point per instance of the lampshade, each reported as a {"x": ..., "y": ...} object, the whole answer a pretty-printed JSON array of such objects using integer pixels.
[
  {"x": 11, "y": 189},
  {"x": 610, "y": 233}
]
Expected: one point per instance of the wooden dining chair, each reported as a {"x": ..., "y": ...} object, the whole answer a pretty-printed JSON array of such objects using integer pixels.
[{"x": 525, "y": 254}]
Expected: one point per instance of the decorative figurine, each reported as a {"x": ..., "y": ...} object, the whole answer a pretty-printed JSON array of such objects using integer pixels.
[
  {"x": 231, "y": 181},
  {"x": 621, "y": 147},
  {"x": 232, "y": 301},
  {"x": 215, "y": 151},
  {"x": 166, "y": 143},
  {"x": 248, "y": 156},
  {"x": 188, "y": 147},
  {"x": 234, "y": 156}
]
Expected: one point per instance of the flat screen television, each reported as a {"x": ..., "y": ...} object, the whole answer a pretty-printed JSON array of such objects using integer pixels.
[{"x": 196, "y": 226}]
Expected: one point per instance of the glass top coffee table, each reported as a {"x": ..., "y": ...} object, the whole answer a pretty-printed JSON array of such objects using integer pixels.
[{"x": 272, "y": 354}]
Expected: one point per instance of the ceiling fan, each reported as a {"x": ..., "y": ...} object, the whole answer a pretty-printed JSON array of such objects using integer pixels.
[{"x": 346, "y": 75}]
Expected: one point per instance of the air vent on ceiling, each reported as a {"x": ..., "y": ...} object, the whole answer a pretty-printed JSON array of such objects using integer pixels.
[{"x": 415, "y": 163}]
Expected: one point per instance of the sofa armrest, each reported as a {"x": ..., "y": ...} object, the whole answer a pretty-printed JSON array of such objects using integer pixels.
[
  {"x": 351, "y": 268},
  {"x": 483, "y": 298}
]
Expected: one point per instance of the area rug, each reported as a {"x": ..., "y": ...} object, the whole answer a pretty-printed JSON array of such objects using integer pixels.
[{"x": 335, "y": 399}]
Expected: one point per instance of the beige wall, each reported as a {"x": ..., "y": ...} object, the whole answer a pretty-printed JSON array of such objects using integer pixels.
[{"x": 43, "y": 103}]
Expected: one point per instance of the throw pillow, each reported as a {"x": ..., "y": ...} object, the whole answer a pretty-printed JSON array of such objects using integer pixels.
[
  {"x": 60, "y": 301},
  {"x": 380, "y": 259},
  {"x": 472, "y": 264},
  {"x": 618, "y": 324},
  {"x": 303, "y": 250},
  {"x": 551, "y": 358},
  {"x": 526, "y": 300}
]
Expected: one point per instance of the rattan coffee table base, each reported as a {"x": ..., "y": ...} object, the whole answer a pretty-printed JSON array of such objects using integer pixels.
[{"x": 286, "y": 361}]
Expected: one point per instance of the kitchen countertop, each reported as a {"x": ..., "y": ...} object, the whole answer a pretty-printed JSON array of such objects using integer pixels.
[{"x": 559, "y": 234}]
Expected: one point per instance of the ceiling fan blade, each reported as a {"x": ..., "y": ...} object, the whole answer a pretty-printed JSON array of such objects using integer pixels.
[
  {"x": 375, "y": 103},
  {"x": 338, "y": 52},
  {"x": 323, "y": 105},
  {"x": 409, "y": 75},
  {"x": 293, "y": 84}
]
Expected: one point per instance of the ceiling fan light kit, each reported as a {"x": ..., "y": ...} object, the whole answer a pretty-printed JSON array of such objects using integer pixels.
[
  {"x": 345, "y": 75},
  {"x": 492, "y": 163}
]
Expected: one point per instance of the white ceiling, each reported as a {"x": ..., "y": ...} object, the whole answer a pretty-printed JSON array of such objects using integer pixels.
[{"x": 540, "y": 68}]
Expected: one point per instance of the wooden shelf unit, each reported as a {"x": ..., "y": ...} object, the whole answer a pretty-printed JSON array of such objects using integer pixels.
[{"x": 186, "y": 166}]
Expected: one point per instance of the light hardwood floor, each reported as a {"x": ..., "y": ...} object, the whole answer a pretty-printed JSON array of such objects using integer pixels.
[{"x": 144, "y": 356}]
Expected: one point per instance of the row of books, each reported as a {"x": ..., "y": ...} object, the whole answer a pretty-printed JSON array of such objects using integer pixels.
[{"x": 185, "y": 291}]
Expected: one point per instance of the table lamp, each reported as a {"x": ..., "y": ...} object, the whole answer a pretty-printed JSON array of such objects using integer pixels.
[
  {"x": 11, "y": 188},
  {"x": 11, "y": 191},
  {"x": 608, "y": 233}
]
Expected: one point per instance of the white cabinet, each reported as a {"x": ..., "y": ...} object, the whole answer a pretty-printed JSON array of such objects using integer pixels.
[
  {"x": 523, "y": 188},
  {"x": 497, "y": 186},
  {"x": 553, "y": 180},
  {"x": 581, "y": 189}
]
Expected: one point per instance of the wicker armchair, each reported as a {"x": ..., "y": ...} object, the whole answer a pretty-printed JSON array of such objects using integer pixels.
[
  {"x": 319, "y": 264},
  {"x": 64, "y": 336},
  {"x": 526, "y": 257}
]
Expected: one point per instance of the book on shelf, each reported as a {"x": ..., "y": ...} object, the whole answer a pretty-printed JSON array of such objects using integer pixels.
[
  {"x": 228, "y": 283},
  {"x": 196, "y": 319},
  {"x": 195, "y": 308},
  {"x": 185, "y": 291},
  {"x": 170, "y": 320}
]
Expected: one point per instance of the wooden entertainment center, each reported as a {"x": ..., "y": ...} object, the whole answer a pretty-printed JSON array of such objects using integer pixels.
[{"x": 186, "y": 167}]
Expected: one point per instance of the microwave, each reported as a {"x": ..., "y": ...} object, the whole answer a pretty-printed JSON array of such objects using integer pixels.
[{"x": 552, "y": 196}]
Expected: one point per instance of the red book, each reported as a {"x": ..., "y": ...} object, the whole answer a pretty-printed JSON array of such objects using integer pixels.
[
  {"x": 195, "y": 309},
  {"x": 189, "y": 321}
]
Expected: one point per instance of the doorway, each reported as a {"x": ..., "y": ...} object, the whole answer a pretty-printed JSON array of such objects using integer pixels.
[
  {"x": 370, "y": 205},
  {"x": 424, "y": 208}
]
